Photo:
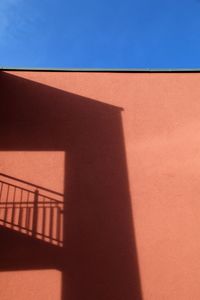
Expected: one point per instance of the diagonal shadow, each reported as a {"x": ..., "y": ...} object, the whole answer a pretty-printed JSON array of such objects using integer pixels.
[{"x": 98, "y": 259}]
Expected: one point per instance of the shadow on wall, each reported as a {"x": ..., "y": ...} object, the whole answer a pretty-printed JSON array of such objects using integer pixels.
[{"x": 98, "y": 259}]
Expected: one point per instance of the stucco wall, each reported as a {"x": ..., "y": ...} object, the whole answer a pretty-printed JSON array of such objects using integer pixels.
[{"x": 162, "y": 143}]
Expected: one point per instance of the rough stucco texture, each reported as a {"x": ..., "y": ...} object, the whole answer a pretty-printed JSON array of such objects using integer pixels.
[{"x": 162, "y": 141}]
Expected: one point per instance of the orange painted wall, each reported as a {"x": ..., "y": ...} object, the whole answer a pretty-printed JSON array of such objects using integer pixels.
[{"x": 161, "y": 131}]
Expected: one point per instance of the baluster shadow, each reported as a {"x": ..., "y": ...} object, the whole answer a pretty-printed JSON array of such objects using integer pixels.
[{"x": 24, "y": 207}]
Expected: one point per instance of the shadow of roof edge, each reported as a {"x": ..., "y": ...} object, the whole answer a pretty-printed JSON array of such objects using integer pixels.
[
  {"x": 96, "y": 102},
  {"x": 104, "y": 70}
]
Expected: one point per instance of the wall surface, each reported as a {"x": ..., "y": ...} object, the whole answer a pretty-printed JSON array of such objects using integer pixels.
[{"x": 162, "y": 143}]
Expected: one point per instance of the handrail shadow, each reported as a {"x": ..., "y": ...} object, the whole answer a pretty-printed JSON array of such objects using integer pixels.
[{"x": 31, "y": 209}]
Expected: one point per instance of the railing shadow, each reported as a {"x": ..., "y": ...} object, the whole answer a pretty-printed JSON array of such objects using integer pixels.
[
  {"x": 31, "y": 209},
  {"x": 98, "y": 259}
]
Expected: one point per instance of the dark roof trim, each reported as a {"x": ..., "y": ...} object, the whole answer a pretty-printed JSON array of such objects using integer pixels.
[{"x": 102, "y": 70}]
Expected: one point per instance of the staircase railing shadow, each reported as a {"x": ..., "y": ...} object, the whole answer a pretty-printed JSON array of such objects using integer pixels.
[{"x": 31, "y": 209}]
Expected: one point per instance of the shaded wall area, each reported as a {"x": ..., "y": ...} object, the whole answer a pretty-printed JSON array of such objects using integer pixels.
[{"x": 98, "y": 259}]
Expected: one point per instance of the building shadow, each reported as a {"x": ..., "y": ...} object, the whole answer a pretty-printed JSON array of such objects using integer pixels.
[{"x": 98, "y": 259}]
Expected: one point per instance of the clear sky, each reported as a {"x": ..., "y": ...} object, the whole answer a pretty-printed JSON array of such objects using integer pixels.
[{"x": 100, "y": 33}]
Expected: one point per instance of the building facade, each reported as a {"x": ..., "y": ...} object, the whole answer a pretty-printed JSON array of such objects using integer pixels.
[{"x": 124, "y": 150}]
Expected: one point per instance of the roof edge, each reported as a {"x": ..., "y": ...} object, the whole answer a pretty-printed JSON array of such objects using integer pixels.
[{"x": 102, "y": 70}]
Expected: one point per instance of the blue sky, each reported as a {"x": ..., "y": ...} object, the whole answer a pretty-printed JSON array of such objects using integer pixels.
[{"x": 100, "y": 34}]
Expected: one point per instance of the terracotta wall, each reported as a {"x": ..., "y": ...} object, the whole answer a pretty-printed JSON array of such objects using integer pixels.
[{"x": 161, "y": 135}]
